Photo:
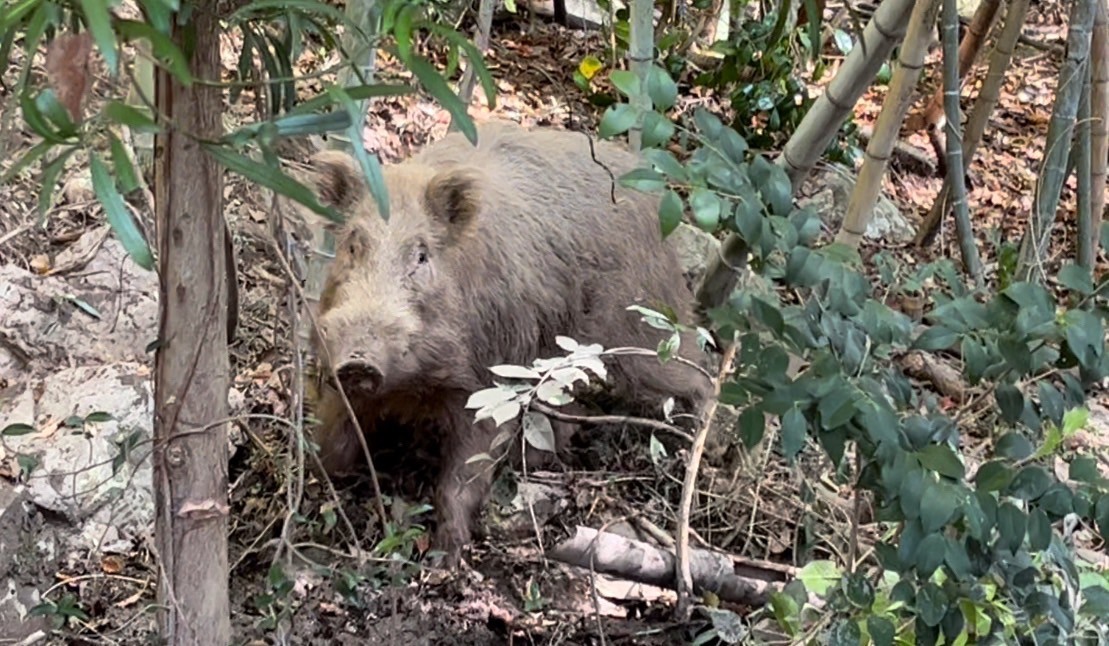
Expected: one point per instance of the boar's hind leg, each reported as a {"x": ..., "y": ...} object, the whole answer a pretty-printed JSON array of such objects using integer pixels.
[{"x": 462, "y": 487}]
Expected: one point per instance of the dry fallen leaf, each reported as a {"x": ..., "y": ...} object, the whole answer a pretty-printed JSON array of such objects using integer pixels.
[
  {"x": 40, "y": 264},
  {"x": 111, "y": 564},
  {"x": 67, "y": 70}
]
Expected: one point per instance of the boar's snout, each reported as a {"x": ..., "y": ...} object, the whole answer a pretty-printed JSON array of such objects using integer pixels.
[{"x": 359, "y": 375}]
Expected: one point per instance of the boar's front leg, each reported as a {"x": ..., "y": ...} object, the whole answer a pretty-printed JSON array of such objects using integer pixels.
[
  {"x": 461, "y": 488},
  {"x": 340, "y": 452}
]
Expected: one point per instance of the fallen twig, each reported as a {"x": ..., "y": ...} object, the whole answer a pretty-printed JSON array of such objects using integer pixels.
[
  {"x": 611, "y": 419},
  {"x": 684, "y": 573}
]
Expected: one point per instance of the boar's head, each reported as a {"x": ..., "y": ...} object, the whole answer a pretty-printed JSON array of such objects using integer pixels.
[{"x": 389, "y": 314}]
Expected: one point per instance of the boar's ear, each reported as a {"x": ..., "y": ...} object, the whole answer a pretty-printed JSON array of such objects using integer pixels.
[
  {"x": 454, "y": 197},
  {"x": 339, "y": 181}
]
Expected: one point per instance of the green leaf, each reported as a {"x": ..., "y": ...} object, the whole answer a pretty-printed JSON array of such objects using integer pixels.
[
  {"x": 473, "y": 56},
  {"x": 773, "y": 184},
  {"x": 1013, "y": 446},
  {"x": 793, "y": 433},
  {"x": 371, "y": 167},
  {"x": 133, "y": 118},
  {"x": 98, "y": 416},
  {"x": 953, "y": 624},
  {"x": 994, "y": 475},
  {"x": 14, "y": 430},
  {"x": 930, "y": 555},
  {"x": 124, "y": 169},
  {"x": 975, "y": 359},
  {"x": 438, "y": 88},
  {"x": 1030, "y": 483},
  {"x": 538, "y": 431},
  {"x": 845, "y": 633},
  {"x": 616, "y": 120},
  {"x": 942, "y": 459},
  {"x": 1039, "y": 531},
  {"x": 935, "y": 338},
  {"x": 119, "y": 217},
  {"x": 708, "y": 124},
  {"x": 1101, "y": 516},
  {"x": 1083, "y": 468},
  {"x": 36, "y": 121},
  {"x": 657, "y": 130},
  {"x": 100, "y": 26},
  {"x": 1095, "y": 602},
  {"x": 626, "y": 82},
  {"x": 1076, "y": 278},
  {"x": 837, "y": 408},
  {"x": 786, "y": 611},
  {"x": 881, "y": 629},
  {"x": 271, "y": 178},
  {"x": 50, "y": 180},
  {"x": 1052, "y": 406},
  {"x": 28, "y": 158},
  {"x": 49, "y": 106},
  {"x": 669, "y": 212},
  {"x": 356, "y": 92},
  {"x": 706, "y": 208},
  {"x": 752, "y": 425},
  {"x": 732, "y": 145},
  {"x": 1011, "y": 402},
  {"x": 1011, "y": 526},
  {"x": 1085, "y": 337},
  {"x": 818, "y": 576},
  {"x": 912, "y": 493},
  {"x": 859, "y": 591},
  {"x": 661, "y": 88},
  {"x": 163, "y": 49},
  {"x": 308, "y": 8},
  {"x": 931, "y": 604},
  {"x": 955, "y": 555},
  {"x": 665, "y": 162},
  {"x": 937, "y": 506},
  {"x": 158, "y": 13},
  {"x": 646, "y": 180}
]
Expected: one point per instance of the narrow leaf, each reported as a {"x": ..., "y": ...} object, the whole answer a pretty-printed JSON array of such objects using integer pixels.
[
  {"x": 119, "y": 217},
  {"x": 271, "y": 178},
  {"x": 100, "y": 26}
]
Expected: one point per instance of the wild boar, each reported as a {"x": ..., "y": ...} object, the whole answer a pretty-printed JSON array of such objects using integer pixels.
[{"x": 489, "y": 253}]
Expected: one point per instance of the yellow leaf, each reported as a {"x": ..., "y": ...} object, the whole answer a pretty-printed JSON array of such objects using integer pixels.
[{"x": 589, "y": 66}]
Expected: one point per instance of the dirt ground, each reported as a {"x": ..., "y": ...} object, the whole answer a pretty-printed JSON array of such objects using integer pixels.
[{"x": 333, "y": 586}]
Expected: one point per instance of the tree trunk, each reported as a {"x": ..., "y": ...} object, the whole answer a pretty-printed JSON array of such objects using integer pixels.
[{"x": 191, "y": 366}]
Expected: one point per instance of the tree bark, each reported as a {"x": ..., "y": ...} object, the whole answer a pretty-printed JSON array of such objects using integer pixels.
[{"x": 191, "y": 365}]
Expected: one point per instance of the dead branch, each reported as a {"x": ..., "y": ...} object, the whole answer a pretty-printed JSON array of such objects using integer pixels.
[
  {"x": 947, "y": 380},
  {"x": 644, "y": 563}
]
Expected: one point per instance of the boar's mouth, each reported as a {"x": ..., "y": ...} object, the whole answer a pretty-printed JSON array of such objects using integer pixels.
[{"x": 359, "y": 375}]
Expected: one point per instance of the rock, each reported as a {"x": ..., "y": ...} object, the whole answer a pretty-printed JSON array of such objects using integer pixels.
[
  {"x": 695, "y": 248},
  {"x": 15, "y": 599},
  {"x": 78, "y": 188},
  {"x": 13, "y": 515},
  {"x": 16, "y": 625},
  {"x": 108, "y": 312},
  {"x": 84, "y": 473},
  {"x": 828, "y": 190}
]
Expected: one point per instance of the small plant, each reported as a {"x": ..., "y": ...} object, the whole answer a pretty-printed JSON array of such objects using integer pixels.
[
  {"x": 272, "y": 603},
  {"x": 62, "y": 612}
]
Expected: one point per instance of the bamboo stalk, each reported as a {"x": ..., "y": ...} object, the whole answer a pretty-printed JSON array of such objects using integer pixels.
[
  {"x": 911, "y": 61},
  {"x": 980, "y": 114}
]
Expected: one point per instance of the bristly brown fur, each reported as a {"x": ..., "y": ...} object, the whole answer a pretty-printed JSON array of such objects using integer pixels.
[{"x": 525, "y": 244}]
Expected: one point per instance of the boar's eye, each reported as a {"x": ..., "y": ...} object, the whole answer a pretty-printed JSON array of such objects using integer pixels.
[{"x": 421, "y": 255}]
